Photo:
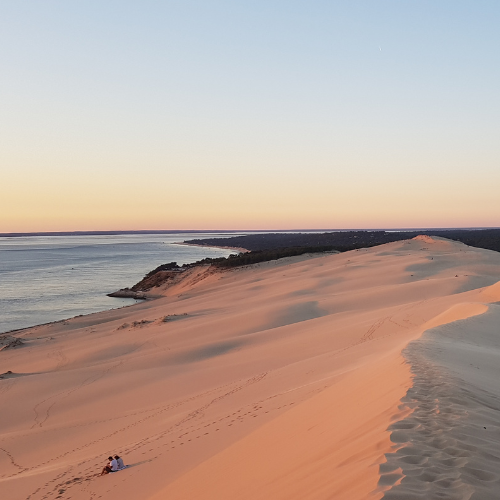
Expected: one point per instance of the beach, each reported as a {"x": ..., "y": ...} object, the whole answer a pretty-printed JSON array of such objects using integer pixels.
[{"x": 365, "y": 374}]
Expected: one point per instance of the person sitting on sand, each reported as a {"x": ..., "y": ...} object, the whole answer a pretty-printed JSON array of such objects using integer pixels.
[
  {"x": 119, "y": 460},
  {"x": 111, "y": 467}
]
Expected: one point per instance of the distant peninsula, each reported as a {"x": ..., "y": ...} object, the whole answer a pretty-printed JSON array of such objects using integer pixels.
[{"x": 350, "y": 240}]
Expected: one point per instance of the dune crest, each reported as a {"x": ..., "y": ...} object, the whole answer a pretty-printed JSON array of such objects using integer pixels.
[
  {"x": 425, "y": 238},
  {"x": 456, "y": 312},
  {"x": 491, "y": 293}
]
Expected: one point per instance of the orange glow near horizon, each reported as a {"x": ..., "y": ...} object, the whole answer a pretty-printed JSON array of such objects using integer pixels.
[
  {"x": 148, "y": 200},
  {"x": 132, "y": 219}
]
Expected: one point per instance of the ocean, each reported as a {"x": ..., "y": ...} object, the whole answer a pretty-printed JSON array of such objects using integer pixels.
[{"x": 50, "y": 278}]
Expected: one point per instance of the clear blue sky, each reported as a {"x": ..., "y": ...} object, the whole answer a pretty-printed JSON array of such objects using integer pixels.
[{"x": 256, "y": 114}]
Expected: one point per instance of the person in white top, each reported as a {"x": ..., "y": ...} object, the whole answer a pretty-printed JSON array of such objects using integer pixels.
[
  {"x": 119, "y": 460},
  {"x": 112, "y": 466}
]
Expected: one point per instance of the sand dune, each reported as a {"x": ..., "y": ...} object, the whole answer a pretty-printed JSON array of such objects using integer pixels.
[{"x": 277, "y": 381}]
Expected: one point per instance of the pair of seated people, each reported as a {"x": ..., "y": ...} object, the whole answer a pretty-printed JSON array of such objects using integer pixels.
[{"x": 115, "y": 464}]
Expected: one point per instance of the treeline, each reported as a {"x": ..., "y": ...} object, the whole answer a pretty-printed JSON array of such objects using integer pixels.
[
  {"x": 348, "y": 240},
  {"x": 479, "y": 238},
  {"x": 244, "y": 259},
  {"x": 256, "y": 256}
]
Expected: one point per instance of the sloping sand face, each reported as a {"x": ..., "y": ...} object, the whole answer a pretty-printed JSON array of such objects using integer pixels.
[{"x": 275, "y": 381}]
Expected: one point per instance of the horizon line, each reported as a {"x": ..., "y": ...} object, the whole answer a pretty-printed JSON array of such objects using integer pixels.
[{"x": 194, "y": 231}]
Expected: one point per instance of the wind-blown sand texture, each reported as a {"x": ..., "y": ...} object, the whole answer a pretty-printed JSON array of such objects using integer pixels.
[{"x": 283, "y": 380}]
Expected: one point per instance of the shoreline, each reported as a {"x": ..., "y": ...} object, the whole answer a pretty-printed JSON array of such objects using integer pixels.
[
  {"x": 49, "y": 323},
  {"x": 18, "y": 320}
]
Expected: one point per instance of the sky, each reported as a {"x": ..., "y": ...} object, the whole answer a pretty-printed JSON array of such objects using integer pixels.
[{"x": 264, "y": 114}]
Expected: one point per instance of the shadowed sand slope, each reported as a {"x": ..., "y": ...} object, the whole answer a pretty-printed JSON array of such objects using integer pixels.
[{"x": 279, "y": 380}]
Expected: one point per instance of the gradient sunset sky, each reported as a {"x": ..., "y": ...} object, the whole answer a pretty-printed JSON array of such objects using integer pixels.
[{"x": 249, "y": 114}]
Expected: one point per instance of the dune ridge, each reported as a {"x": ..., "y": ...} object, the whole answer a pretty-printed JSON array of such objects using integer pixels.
[
  {"x": 279, "y": 380},
  {"x": 449, "y": 442}
]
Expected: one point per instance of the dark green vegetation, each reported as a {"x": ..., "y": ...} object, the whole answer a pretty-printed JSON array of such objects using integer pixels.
[
  {"x": 349, "y": 240},
  {"x": 244, "y": 259}
]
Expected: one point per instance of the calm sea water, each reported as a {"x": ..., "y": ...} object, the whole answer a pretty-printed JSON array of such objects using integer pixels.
[{"x": 49, "y": 278}]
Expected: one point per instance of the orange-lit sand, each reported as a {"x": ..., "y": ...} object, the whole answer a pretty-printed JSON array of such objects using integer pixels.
[{"x": 276, "y": 381}]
